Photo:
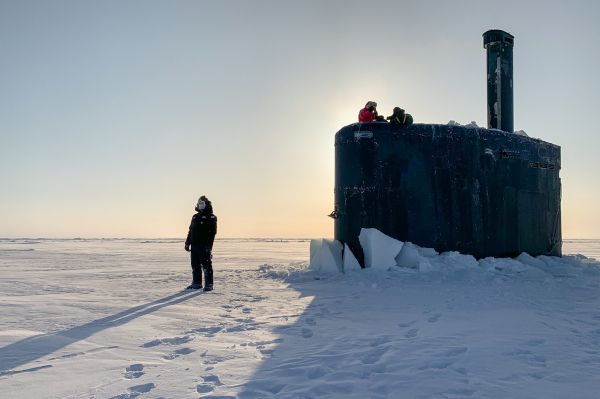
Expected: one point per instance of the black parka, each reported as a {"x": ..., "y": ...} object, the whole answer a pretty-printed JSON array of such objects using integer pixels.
[{"x": 203, "y": 229}]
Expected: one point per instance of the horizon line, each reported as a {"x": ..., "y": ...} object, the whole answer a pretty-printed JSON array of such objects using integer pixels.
[{"x": 216, "y": 238}]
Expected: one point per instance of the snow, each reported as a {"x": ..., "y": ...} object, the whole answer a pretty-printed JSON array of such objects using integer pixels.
[
  {"x": 108, "y": 319},
  {"x": 471, "y": 125},
  {"x": 474, "y": 125}
]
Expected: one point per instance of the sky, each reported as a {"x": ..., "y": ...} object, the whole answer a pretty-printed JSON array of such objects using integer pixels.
[{"x": 115, "y": 116}]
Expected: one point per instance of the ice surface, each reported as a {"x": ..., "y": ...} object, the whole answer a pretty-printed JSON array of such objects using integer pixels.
[
  {"x": 380, "y": 250},
  {"x": 409, "y": 256},
  {"x": 108, "y": 319}
]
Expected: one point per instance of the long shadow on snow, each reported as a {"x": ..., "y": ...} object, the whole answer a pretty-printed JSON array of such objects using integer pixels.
[
  {"x": 337, "y": 348},
  {"x": 413, "y": 345},
  {"x": 304, "y": 361},
  {"x": 32, "y": 348}
]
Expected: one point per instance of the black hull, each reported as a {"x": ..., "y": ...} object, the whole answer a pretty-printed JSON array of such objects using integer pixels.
[{"x": 477, "y": 191}]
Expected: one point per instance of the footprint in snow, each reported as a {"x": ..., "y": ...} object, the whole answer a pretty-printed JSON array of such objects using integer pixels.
[
  {"x": 310, "y": 321},
  {"x": 437, "y": 364},
  {"x": 134, "y": 371},
  {"x": 536, "y": 376},
  {"x": 144, "y": 388},
  {"x": 265, "y": 351},
  {"x": 406, "y": 324},
  {"x": 135, "y": 391},
  {"x": 412, "y": 333},
  {"x": 316, "y": 372},
  {"x": 168, "y": 341},
  {"x": 209, "y": 383},
  {"x": 262, "y": 344},
  {"x": 379, "y": 341},
  {"x": 245, "y": 325},
  {"x": 434, "y": 318},
  {"x": 213, "y": 379},
  {"x": 204, "y": 388},
  {"x": 459, "y": 350},
  {"x": 373, "y": 356},
  {"x": 178, "y": 352},
  {"x": 595, "y": 332},
  {"x": 256, "y": 298},
  {"x": 306, "y": 332},
  {"x": 206, "y": 331},
  {"x": 550, "y": 326},
  {"x": 126, "y": 396},
  {"x": 535, "y": 342},
  {"x": 519, "y": 352},
  {"x": 458, "y": 393}
]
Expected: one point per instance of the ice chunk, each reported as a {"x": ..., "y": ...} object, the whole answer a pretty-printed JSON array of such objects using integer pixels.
[
  {"x": 423, "y": 259},
  {"x": 409, "y": 256},
  {"x": 350, "y": 262},
  {"x": 427, "y": 252},
  {"x": 332, "y": 261},
  {"x": 472, "y": 125},
  {"x": 326, "y": 256},
  {"x": 521, "y": 133},
  {"x": 315, "y": 251},
  {"x": 380, "y": 250}
]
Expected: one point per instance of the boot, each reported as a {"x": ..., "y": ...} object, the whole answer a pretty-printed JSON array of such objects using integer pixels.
[{"x": 194, "y": 286}]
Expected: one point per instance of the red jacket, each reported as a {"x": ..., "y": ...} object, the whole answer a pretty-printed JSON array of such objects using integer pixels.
[{"x": 365, "y": 115}]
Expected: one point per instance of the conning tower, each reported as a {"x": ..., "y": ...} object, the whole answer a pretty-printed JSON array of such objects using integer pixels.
[{"x": 485, "y": 192}]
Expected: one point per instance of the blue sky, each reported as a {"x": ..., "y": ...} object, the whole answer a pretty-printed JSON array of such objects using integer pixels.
[{"x": 116, "y": 115}]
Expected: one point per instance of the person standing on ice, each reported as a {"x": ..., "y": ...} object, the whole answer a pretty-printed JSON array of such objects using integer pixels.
[
  {"x": 369, "y": 113},
  {"x": 200, "y": 238}
]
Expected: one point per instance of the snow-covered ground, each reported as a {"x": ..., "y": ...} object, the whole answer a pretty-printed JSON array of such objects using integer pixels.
[{"x": 108, "y": 319}]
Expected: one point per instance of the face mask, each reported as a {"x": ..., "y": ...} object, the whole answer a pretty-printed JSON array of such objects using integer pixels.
[{"x": 200, "y": 206}]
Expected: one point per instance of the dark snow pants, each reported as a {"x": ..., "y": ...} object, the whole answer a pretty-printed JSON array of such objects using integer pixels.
[{"x": 202, "y": 261}]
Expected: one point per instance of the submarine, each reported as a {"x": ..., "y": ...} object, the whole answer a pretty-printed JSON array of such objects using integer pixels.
[{"x": 483, "y": 192}]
